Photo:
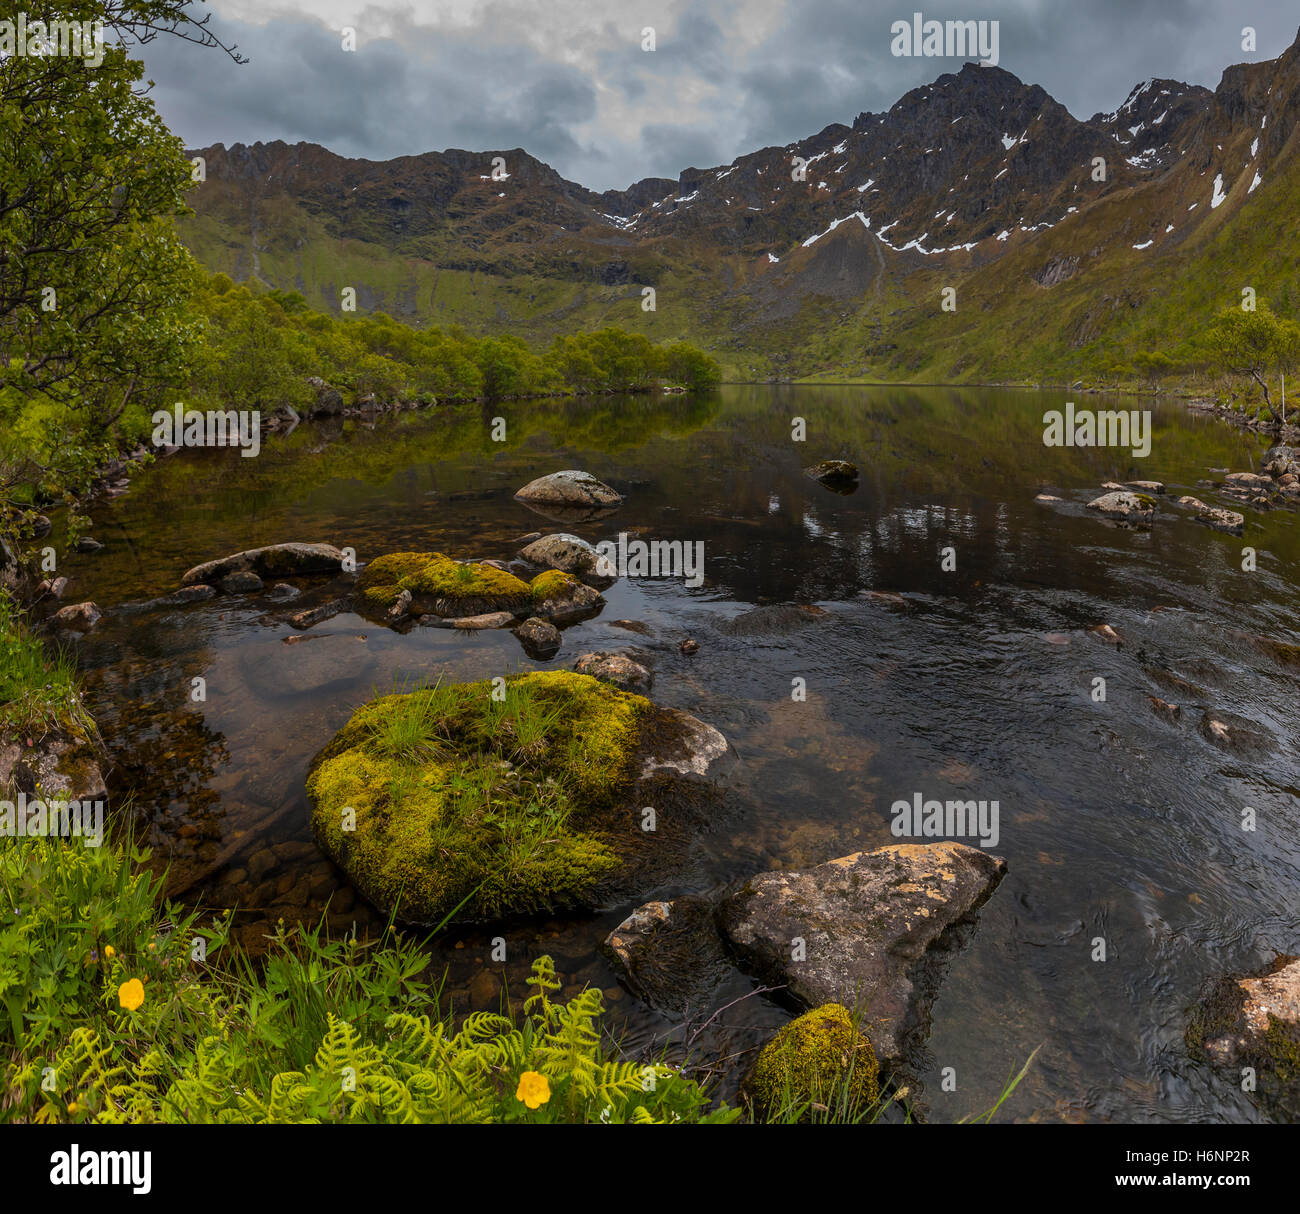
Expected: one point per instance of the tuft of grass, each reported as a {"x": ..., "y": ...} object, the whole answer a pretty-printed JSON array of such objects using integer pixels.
[{"x": 39, "y": 693}]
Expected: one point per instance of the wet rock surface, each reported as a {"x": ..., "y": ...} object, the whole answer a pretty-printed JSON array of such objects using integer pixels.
[
  {"x": 867, "y": 922},
  {"x": 571, "y": 494},
  {"x": 1128, "y": 507},
  {"x": 1254, "y": 1022},
  {"x": 274, "y": 561},
  {"x": 670, "y": 954},
  {"x": 572, "y": 555},
  {"x": 618, "y": 669},
  {"x": 77, "y": 617},
  {"x": 540, "y": 638}
]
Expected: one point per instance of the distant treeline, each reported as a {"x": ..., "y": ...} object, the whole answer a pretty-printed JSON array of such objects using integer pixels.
[{"x": 262, "y": 349}]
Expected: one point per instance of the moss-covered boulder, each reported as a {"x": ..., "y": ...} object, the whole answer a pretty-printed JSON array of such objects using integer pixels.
[
  {"x": 820, "y": 1062},
  {"x": 415, "y": 584},
  {"x": 479, "y": 800},
  {"x": 438, "y": 585}
]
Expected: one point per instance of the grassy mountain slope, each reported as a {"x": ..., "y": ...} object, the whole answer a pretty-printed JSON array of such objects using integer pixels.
[{"x": 827, "y": 258}]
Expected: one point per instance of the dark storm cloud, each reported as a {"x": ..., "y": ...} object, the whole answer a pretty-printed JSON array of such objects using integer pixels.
[{"x": 726, "y": 76}]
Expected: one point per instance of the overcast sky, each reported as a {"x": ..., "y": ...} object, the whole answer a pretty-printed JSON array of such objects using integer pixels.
[{"x": 568, "y": 80}]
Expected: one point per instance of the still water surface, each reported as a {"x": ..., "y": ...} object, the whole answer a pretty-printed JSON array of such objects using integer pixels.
[{"x": 1115, "y": 822}]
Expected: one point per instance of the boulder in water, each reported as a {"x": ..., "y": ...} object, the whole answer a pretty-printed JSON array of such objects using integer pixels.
[
  {"x": 572, "y": 555},
  {"x": 451, "y": 801},
  {"x": 273, "y": 561},
  {"x": 617, "y": 669},
  {"x": 1130, "y": 507},
  {"x": 868, "y": 922},
  {"x": 570, "y": 490}
]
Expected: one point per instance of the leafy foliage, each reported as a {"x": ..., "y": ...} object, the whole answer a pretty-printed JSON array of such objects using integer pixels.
[
  {"x": 222, "y": 1046},
  {"x": 1255, "y": 345}
]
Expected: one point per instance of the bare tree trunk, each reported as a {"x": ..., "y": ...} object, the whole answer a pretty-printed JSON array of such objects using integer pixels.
[{"x": 1268, "y": 400}]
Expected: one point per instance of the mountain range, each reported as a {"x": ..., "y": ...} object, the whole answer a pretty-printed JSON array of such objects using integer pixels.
[{"x": 974, "y": 231}]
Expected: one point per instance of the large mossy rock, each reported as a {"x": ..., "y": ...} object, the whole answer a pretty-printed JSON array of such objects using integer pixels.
[
  {"x": 819, "y": 1063},
  {"x": 429, "y": 583},
  {"x": 448, "y": 802},
  {"x": 439, "y": 586}
]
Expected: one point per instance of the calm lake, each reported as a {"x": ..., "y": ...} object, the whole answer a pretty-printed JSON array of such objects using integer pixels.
[{"x": 1115, "y": 822}]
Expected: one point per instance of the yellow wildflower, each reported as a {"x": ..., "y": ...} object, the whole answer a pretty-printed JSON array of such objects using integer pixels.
[
  {"x": 109, "y": 952},
  {"x": 533, "y": 1089},
  {"x": 131, "y": 994}
]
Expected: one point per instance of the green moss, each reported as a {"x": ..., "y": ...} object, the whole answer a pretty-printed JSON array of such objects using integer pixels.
[
  {"x": 1282, "y": 1048},
  {"x": 502, "y": 806},
  {"x": 440, "y": 585},
  {"x": 550, "y": 585},
  {"x": 820, "y": 1059}
]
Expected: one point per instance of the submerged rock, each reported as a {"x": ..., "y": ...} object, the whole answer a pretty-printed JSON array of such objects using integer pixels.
[
  {"x": 1255, "y": 1022},
  {"x": 1162, "y": 708},
  {"x": 312, "y": 616},
  {"x": 1131, "y": 507},
  {"x": 670, "y": 954},
  {"x": 320, "y": 664},
  {"x": 1234, "y": 734},
  {"x": 818, "y": 1061},
  {"x": 867, "y": 921},
  {"x": 273, "y": 561},
  {"x": 778, "y": 618},
  {"x": 448, "y": 801},
  {"x": 187, "y": 594}
]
